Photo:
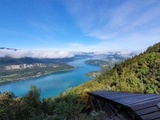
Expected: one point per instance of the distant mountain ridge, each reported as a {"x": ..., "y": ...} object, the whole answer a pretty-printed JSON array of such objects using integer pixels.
[
  {"x": 26, "y": 60},
  {"x": 4, "y": 48},
  {"x": 7, "y": 57}
]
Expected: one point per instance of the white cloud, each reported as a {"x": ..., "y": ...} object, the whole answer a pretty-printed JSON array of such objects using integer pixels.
[
  {"x": 125, "y": 24},
  {"x": 134, "y": 41},
  {"x": 127, "y": 19},
  {"x": 35, "y": 54}
]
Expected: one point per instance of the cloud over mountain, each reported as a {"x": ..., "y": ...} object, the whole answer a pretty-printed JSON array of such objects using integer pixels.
[{"x": 34, "y": 53}]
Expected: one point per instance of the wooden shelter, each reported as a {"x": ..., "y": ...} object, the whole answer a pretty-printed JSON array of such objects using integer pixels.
[{"x": 121, "y": 105}]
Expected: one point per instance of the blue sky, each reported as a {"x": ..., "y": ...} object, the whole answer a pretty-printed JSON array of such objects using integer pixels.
[{"x": 79, "y": 25}]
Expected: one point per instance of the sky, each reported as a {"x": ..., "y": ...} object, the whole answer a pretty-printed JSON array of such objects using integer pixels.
[{"x": 79, "y": 25}]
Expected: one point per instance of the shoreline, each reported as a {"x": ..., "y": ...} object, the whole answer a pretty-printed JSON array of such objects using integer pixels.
[{"x": 36, "y": 76}]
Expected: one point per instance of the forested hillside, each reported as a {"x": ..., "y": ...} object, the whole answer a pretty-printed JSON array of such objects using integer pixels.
[
  {"x": 73, "y": 104},
  {"x": 129, "y": 75},
  {"x": 138, "y": 74}
]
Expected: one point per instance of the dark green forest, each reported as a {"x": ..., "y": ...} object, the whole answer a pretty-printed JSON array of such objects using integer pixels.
[{"x": 140, "y": 74}]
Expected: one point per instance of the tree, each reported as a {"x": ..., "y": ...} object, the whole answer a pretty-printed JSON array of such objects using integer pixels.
[{"x": 32, "y": 99}]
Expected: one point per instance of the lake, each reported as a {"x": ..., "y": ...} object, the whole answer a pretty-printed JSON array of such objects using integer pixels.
[{"x": 53, "y": 84}]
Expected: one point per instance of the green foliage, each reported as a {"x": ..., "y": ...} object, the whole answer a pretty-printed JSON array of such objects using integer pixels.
[
  {"x": 154, "y": 48},
  {"x": 74, "y": 104},
  {"x": 48, "y": 105},
  {"x": 127, "y": 75},
  {"x": 100, "y": 115},
  {"x": 41, "y": 116},
  {"x": 12, "y": 108},
  {"x": 32, "y": 99},
  {"x": 67, "y": 106}
]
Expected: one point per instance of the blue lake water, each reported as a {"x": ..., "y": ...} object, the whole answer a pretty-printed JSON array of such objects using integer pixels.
[{"x": 53, "y": 84}]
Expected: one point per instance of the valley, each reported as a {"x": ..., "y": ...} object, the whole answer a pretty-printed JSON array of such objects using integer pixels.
[
  {"x": 79, "y": 59},
  {"x": 71, "y": 88},
  {"x": 49, "y": 74}
]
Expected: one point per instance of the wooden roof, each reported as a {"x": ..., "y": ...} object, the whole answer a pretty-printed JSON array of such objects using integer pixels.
[{"x": 146, "y": 106}]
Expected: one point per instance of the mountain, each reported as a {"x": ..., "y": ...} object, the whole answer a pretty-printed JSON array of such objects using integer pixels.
[
  {"x": 28, "y": 60},
  {"x": 4, "y": 48},
  {"x": 13, "y": 69},
  {"x": 10, "y": 61},
  {"x": 7, "y": 57},
  {"x": 10, "y": 56},
  {"x": 138, "y": 74}
]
